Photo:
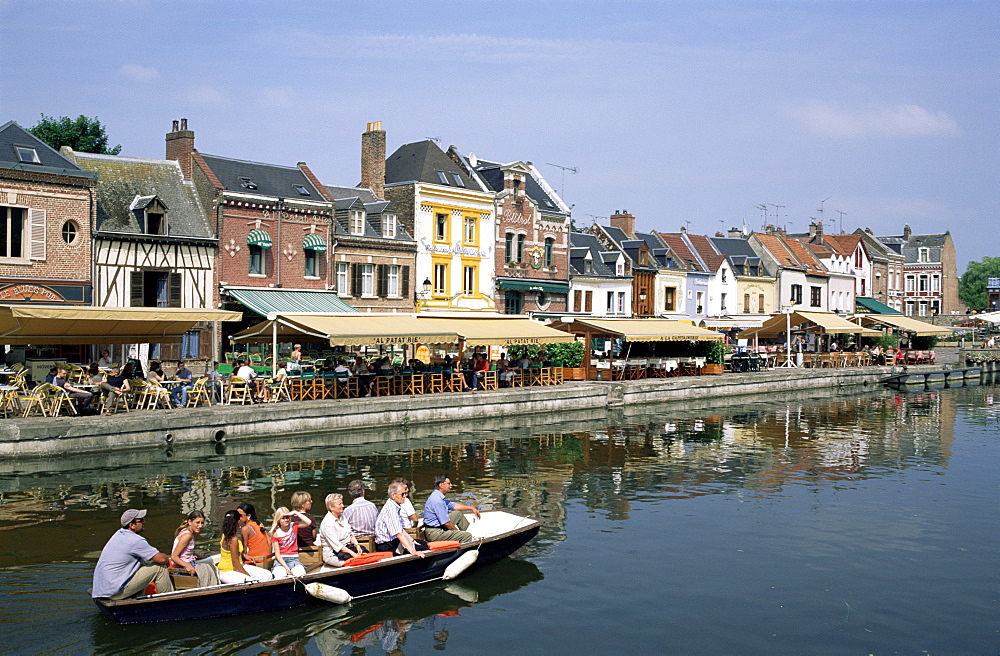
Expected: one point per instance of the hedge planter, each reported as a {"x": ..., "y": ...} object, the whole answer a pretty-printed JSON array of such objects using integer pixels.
[{"x": 711, "y": 369}]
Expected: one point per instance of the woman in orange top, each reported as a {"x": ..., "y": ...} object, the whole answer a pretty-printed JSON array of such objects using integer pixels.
[{"x": 258, "y": 545}]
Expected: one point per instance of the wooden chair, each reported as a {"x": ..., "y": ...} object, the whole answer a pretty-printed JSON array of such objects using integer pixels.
[
  {"x": 556, "y": 376},
  {"x": 411, "y": 383},
  {"x": 435, "y": 381},
  {"x": 240, "y": 391},
  {"x": 382, "y": 386},
  {"x": 199, "y": 394},
  {"x": 489, "y": 381},
  {"x": 346, "y": 386},
  {"x": 456, "y": 382}
]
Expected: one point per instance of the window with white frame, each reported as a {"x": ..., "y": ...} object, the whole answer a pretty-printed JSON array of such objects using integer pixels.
[
  {"x": 357, "y": 222},
  {"x": 392, "y": 281},
  {"x": 470, "y": 230},
  {"x": 935, "y": 283},
  {"x": 311, "y": 263},
  {"x": 621, "y": 302},
  {"x": 923, "y": 255},
  {"x": 440, "y": 279},
  {"x": 911, "y": 284},
  {"x": 256, "y": 260},
  {"x": 669, "y": 299},
  {"x": 12, "y": 232},
  {"x": 508, "y": 247},
  {"x": 549, "y": 257},
  {"x": 922, "y": 283},
  {"x": 367, "y": 279},
  {"x": 468, "y": 279},
  {"x": 343, "y": 278},
  {"x": 389, "y": 226},
  {"x": 611, "y": 302}
]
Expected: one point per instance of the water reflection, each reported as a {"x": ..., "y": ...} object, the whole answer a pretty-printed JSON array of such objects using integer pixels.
[{"x": 615, "y": 469}]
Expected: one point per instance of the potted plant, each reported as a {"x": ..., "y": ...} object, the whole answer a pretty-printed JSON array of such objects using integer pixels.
[
  {"x": 569, "y": 357},
  {"x": 714, "y": 359}
]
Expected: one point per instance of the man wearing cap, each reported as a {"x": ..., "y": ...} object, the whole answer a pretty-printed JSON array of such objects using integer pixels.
[{"x": 120, "y": 572}]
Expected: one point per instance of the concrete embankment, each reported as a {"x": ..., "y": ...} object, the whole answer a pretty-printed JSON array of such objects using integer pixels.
[{"x": 53, "y": 436}]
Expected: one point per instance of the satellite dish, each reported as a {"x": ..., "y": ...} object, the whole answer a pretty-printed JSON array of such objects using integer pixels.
[{"x": 473, "y": 160}]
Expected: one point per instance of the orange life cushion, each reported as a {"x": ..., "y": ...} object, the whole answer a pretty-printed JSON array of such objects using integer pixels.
[
  {"x": 367, "y": 558},
  {"x": 443, "y": 544}
]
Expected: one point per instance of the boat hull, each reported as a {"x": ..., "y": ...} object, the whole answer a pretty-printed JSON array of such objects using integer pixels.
[{"x": 382, "y": 576}]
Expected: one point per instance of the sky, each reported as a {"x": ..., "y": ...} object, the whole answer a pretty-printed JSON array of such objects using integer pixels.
[{"x": 686, "y": 114}]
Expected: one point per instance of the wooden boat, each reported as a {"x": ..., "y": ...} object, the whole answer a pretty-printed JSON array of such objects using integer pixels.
[{"x": 500, "y": 534}]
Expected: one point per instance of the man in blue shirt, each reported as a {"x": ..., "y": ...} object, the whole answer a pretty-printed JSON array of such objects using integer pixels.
[
  {"x": 179, "y": 395},
  {"x": 444, "y": 519},
  {"x": 120, "y": 572}
]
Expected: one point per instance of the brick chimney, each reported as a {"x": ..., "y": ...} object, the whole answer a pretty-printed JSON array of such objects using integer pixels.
[
  {"x": 180, "y": 146},
  {"x": 907, "y": 232},
  {"x": 625, "y": 222},
  {"x": 373, "y": 159}
]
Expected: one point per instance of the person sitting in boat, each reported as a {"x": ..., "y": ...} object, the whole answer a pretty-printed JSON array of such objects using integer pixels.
[
  {"x": 285, "y": 543},
  {"x": 231, "y": 567},
  {"x": 302, "y": 503},
  {"x": 445, "y": 519},
  {"x": 390, "y": 535},
  {"x": 257, "y": 545},
  {"x": 121, "y": 572},
  {"x": 407, "y": 513},
  {"x": 339, "y": 543},
  {"x": 362, "y": 513},
  {"x": 183, "y": 554}
]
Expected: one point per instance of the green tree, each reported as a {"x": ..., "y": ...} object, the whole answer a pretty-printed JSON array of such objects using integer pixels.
[
  {"x": 84, "y": 134},
  {"x": 972, "y": 284}
]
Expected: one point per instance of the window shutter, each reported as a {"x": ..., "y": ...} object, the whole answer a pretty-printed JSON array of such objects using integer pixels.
[
  {"x": 356, "y": 280},
  {"x": 36, "y": 232},
  {"x": 382, "y": 276},
  {"x": 588, "y": 299},
  {"x": 174, "y": 281},
  {"x": 136, "y": 290},
  {"x": 577, "y": 296},
  {"x": 404, "y": 281}
]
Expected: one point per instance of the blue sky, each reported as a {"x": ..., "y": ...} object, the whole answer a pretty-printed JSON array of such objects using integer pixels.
[{"x": 684, "y": 113}]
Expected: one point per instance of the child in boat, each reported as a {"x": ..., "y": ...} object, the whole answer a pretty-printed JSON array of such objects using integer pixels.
[
  {"x": 302, "y": 502},
  {"x": 285, "y": 542},
  {"x": 183, "y": 553},
  {"x": 231, "y": 567},
  {"x": 257, "y": 544}
]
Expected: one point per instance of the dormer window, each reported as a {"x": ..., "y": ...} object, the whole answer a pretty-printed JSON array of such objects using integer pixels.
[
  {"x": 643, "y": 258},
  {"x": 27, "y": 154},
  {"x": 443, "y": 177},
  {"x": 389, "y": 226},
  {"x": 924, "y": 254},
  {"x": 357, "y": 222},
  {"x": 517, "y": 186},
  {"x": 247, "y": 183},
  {"x": 151, "y": 215},
  {"x": 155, "y": 223},
  {"x": 302, "y": 190},
  {"x": 588, "y": 265}
]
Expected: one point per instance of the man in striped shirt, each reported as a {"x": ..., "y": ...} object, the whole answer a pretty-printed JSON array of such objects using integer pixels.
[
  {"x": 361, "y": 513},
  {"x": 390, "y": 535}
]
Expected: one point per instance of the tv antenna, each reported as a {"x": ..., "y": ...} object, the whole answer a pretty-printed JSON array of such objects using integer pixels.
[
  {"x": 572, "y": 169},
  {"x": 820, "y": 210},
  {"x": 842, "y": 215},
  {"x": 763, "y": 208}
]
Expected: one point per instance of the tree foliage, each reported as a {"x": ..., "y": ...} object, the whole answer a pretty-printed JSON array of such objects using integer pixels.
[
  {"x": 972, "y": 284},
  {"x": 83, "y": 134}
]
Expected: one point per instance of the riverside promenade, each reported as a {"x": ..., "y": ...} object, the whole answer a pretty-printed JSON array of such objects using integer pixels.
[{"x": 45, "y": 437}]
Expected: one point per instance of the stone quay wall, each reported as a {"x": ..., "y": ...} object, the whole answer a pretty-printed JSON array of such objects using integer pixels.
[{"x": 36, "y": 437}]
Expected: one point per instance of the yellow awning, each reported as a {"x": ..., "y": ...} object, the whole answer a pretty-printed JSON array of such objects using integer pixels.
[
  {"x": 77, "y": 324},
  {"x": 905, "y": 323},
  {"x": 499, "y": 330},
  {"x": 646, "y": 330},
  {"x": 349, "y": 330},
  {"x": 825, "y": 322}
]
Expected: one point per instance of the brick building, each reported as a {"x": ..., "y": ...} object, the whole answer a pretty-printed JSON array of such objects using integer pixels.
[{"x": 930, "y": 273}]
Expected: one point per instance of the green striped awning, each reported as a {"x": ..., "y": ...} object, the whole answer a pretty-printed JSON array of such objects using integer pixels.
[
  {"x": 314, "y": 242},
  {"x": 259, "y": 238}
]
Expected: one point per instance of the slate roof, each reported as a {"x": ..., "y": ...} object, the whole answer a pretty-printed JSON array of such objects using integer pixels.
[
  {"x": 268, "y": 179},
  {"x": 580, "y": 244},
  {"x": 910, "y": 248},
  {"x": 420, "y": 162},
  {"x": 49, "y": 160},
  {"x": 359, "y": 198},
  {"x": 741, "y": 254},
  {"x": 492, "y": 174},
  {"x": 130, "y": 183}
]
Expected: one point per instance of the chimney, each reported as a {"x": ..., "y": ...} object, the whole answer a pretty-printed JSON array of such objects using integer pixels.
[
  {"x": 869, "y": 231},
  {"x": 812, "y": 229},
  {"x": 180, "y": 146},
  {"x": 625, "y": 222},
  {"x": 819, "y": 229},
  {"x": 907, "y": 232},
  {"x": 373, "y": 159},
  {"x": 735, "y": 233}
]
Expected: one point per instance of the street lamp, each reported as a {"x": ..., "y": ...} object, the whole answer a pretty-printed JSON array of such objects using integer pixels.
[{"x": 427, "y": 286}]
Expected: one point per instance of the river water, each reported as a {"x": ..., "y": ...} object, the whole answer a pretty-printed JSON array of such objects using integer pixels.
[{"x": 847, "y": 524}]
